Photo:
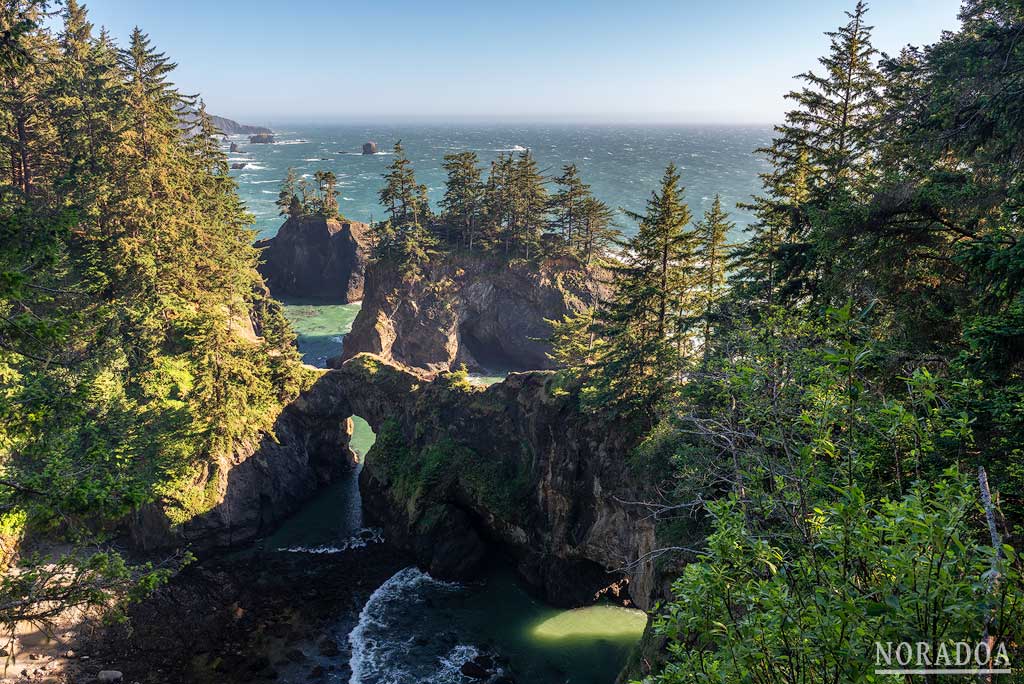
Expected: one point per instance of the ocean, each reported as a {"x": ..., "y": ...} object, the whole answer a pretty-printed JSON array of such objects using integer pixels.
[
  {"x": 623, "y": 164},
  {"x": 414, "y": 629}
]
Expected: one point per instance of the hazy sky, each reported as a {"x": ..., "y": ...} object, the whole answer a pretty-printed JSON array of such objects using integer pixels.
[{"x": 597, "y": 60}]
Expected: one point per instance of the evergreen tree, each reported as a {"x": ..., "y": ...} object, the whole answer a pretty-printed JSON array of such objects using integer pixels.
[
  {"x": 824, "y": 149},
  {"x": 598, "y": 232},
  {"x": 400, "y": 195},
  {"x": 528, "y": 205},
  {"x": 498, "y": 204},
  {"x": 286, "y": 199},
  {"x": 712, "y": 254},
  {"x": 126, "y": 271},
  {"x": 463, "y": 195},
  {"x": 568, "y": 207},
  {"x": 405, "y": 202},
  {"x": 643, "y": 326},
  {"x": 154, "y": 105},
  {"x": 327, "y": 193}
]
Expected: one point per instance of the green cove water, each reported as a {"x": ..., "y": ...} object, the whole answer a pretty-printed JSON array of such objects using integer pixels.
[{"x": 415, "y": 629}]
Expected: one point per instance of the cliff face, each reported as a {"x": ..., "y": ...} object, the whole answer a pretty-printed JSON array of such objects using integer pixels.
[
  {"x": 260, "y": 485},
  {"x": 459, "y": 471},
  {"x": 469, "y": 310},
  {"x": 316, "y": 257}
]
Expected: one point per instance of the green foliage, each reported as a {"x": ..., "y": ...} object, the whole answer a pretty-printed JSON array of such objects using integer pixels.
[
  {"x": 128, "y": 301},
  {"x": 769, "y": 608},
  {"x": 643, "y": 328}
]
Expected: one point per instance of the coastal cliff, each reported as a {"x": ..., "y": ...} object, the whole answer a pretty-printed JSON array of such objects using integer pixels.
[
  {"x": 232, "y": 127},
  {"x": 242, "y": 496},
  {"x": 459, "y": 472},
  {"x": 316, "y": 257},
  {"x": 468, "y": 309}
]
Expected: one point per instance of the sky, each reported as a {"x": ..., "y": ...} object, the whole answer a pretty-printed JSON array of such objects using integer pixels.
[{"x": 638, "y": 61}]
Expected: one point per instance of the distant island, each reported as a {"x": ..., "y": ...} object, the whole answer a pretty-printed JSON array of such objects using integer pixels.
[{"x": 231, "y": 127}]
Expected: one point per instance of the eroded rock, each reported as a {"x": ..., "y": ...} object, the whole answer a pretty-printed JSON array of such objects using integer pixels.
[{"x": 317, "y": 257}]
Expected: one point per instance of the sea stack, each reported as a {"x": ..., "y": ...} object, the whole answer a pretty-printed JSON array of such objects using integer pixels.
[
  {"x": 317, "y": 257},
  {"x": 370, "y": 148},
  {"x": 234, "y": 148},
  {"x": 264, "y": 138}
]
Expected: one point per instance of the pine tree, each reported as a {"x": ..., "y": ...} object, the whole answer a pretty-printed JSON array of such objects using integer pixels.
[
  {"x": 154, "y": 104},
  {"x": 529, "y": 205},
  {"x": 823, "y": 149},
  {"x": 327, "y": 193},
  {"x": 24, "y": 81},
  {"x": 567, "y": 207},
  {"x": 405, "y": 202},
  {"x": 643, "y": 326},
  {"x": 463, "y": 195},
  {"x": 498, "y": 204},
  {"x": 711, "y": 256},
  {"x": 598, "y": 232},
  {"x": 400, "y": 195},
  {"x": 286, "y": 199}
]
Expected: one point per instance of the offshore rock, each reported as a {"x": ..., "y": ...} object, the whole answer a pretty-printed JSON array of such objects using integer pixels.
[
  {"x": 316, "y": 257},
  {"x": 370, "y": 148},
  {"x": 261, "y": 138}
]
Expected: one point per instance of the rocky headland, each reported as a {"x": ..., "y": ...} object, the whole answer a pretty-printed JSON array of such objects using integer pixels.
[
  {"x": 232, "y": 127},
  {"x": 318, "y": 258},
  {"x": 485, "y": 313}
]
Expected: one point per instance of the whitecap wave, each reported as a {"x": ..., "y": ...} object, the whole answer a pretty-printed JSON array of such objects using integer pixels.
[
  {"x": 361, "y": 539},
  {"x": 514, "y": 148},
  {"x": 290, "y": 142},
  {"x": 260, "y": 182},
  {"x": 254, "y": 166},
  {"x": 450, "y": 671},
  {"x": 378, "y": 644}
]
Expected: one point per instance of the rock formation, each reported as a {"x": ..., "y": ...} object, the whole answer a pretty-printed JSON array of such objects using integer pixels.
[
  {"x": 468, "y": 309},
  {"x": 231, "y": 127},
  {"x": 261, "y": 138},
  {"x": 370, "y": 148},
  {"x": 234, "y": 148},
  {"x": 258, "y": 487},
  {"x": 316, "y": 257},
  {"x": 459, "y": 471},
  {"x": 238, "y": 165}
]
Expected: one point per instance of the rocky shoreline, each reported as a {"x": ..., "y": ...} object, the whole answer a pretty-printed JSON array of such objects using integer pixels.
[{"x": 253, "y": 616}]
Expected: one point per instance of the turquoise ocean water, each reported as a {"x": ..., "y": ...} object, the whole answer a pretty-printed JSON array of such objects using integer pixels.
[{"x": 622, "y": 164}]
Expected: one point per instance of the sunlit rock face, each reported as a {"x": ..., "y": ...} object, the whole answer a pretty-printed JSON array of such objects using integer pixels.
[{"x": 470, "y": 310}]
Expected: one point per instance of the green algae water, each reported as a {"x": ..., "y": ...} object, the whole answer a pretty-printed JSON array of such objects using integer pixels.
[
  {"x": 319, "y": 327},
  {"x": 420, "y": 630},
  {"x": 417, "y": 630}
]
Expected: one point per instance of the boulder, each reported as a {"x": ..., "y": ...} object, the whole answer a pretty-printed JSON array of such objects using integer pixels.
[
  {"x": 370, "y": 147},
  {"x": 317, "y": 257},
  {"x": 238, "y": 165}
]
